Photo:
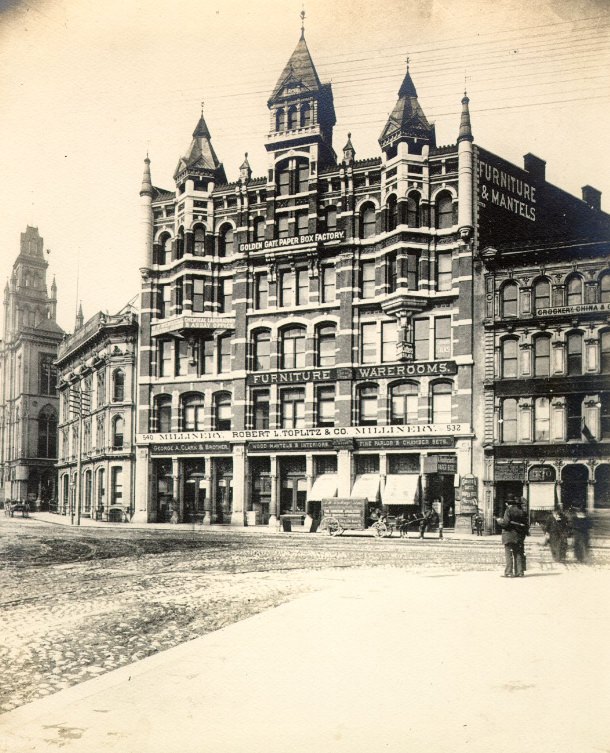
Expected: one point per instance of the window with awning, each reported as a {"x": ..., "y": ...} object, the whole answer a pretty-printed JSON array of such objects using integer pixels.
[
  {"x": 541, "y": 496},
  {"x": 324, "y": 486},
  {"x": 366, "y": 486},
  {"x": 401, "y": 489}
]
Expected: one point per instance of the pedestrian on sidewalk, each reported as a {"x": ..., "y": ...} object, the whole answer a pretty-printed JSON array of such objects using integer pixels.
[
  {"x": 515, "y": 527},
  {"x": 556, "y": 528},
  {"x": 429, "y": 519},
  {"x": 581, "y": 528}
]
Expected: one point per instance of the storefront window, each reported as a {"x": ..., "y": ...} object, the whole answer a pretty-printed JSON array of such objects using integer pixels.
[{"x": 116, "y": 486}]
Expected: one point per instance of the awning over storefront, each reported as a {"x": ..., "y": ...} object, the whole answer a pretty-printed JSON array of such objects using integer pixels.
[
  {"x": 401, "y": 489},
  {"x": 366, "y": 486},
  {"x": 542, "y": 496},
  {"x": 323, "y": 487}
]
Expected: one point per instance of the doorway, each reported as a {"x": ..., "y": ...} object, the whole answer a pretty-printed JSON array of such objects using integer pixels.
[
  {"x": 193, "y": 494},
  {"x": 293, "y": 485},
  {"x": 602, "y": 487},
  {"x": 223, "y": 489},
  {"x": 574, "y": 480}
]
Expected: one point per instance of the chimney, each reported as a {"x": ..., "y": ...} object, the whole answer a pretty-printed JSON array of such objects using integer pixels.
[
  {"x": 534, "y": 166},
  {"x": 592, "y": 197}
]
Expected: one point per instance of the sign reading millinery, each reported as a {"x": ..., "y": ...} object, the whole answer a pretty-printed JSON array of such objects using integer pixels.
[
  {"x": 509, "y": 471},
  {"x": 429, "y": 433},
  {"x": 583, "y": 308},
  {"x": 297, "y": 240},
  {"x": 443, "y": 464},
  {"x": 382, "y": 371},
  {"x": 469, "y": 494}
]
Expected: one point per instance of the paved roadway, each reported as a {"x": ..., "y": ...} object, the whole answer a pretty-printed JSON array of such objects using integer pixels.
[{"x": 377, "y": 660}]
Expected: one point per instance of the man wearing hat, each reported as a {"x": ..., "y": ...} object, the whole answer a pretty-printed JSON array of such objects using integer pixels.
[{"x": 515, "y": 527}]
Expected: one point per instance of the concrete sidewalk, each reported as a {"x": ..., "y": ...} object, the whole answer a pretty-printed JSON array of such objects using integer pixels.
[{"x": 382, "y": 660}]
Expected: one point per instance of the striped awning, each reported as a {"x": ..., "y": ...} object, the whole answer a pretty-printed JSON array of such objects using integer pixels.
[{"x": 401, "y": 489}]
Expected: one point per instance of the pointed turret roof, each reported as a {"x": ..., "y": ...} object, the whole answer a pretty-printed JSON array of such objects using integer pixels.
[
  {"x": 200, "y": 156},
  {"x": 146, "y": 188},
  {"x": 407, "y": 118},
  {"x": 299, "y": 74},
  {"x": 465, "y": 133}
]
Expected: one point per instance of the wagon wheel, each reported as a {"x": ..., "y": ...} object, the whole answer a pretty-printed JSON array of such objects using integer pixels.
[{"x": 333, "y": 527}]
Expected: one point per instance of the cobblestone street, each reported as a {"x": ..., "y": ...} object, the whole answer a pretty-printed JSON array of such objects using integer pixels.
[{"x": 77, "y": 603}]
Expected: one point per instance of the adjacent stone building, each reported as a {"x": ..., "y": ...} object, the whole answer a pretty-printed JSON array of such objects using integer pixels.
[{"x": 28, "y": 392}]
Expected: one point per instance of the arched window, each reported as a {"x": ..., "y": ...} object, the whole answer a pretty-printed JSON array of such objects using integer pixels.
[
  {"x": 192, "y": 412},
  {"x": 542, "y": 419},
  {"x": 199, "y": 241},
  {"x": 605, "y": 352},
  {"x": 225, "y": 241},
  {"x": 293, "y": 348},
  {"x": 508, "y": 420},
  {"x": 305, "y": 115},
  {"x": 574, "y": 289},
  {"x": 604, "y": 288},
  {"x": 180, "y": 243},
  {"x": 542, "y": 294},
  {"x": 261, "y": 350},
  {"x": 163, "y": 414},
  {"x": 117, "y": 432},
  {"x": 508, "y": 299},
  {"x": 326, "y": 345},
  {"x": 367, "y": 221},
  {"x": 118, "y": 386},
  {"x": 367, "y": 404},
  {"x": 444, "y": 210},
  {"x": 575, "y": 354},
  {"x": 222, "y": 411},
  {"x": 88, "y": 493},
  {"x": 101, "y": 489},
  {"x": 279, "y": 120},
  {"x": 392, "y": 212},
  {"x": 440, "y": 407},
  {"x": 509, "y": 359},
  {"x": 47, "y": 433},
  {"x": 413, "y": 218},
  {"x": 259, "y": 228},
  {"x": 165, "y": 243},
  {"x": 404, "y": 403},
  {"x": 542, "y": 355},
  {"x": 292, "y": 117}
]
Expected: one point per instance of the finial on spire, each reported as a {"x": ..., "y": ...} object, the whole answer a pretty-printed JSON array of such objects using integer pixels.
[
  {"x": 302, "y": 14},
  {"x": 202, "y": 104},
  {"x": 408, "y": 61}
]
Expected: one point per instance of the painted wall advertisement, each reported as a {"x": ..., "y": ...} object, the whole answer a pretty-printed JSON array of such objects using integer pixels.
[{"x": 469, "y": 495}]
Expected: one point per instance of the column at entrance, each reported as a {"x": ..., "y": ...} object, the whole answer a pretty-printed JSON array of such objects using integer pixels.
[
  {"x": 238, "y": 514},
  {"x": 273, "y": 503},
  {"x": 209, "y": 487},
  {"x": 344, "y": 473}
]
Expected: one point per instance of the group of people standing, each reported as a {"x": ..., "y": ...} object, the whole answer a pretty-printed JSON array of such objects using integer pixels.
[{"x": 557, "y": 528}]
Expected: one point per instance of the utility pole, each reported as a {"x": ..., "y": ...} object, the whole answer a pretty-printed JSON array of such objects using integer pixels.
[{"x": 82, "y": 404}]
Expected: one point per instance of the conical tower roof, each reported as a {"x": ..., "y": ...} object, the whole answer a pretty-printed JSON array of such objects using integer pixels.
[
  {"x": 407, "y": 119},
  {"x": 299, "y": 74},
  {"x": 200, "y": 157}
]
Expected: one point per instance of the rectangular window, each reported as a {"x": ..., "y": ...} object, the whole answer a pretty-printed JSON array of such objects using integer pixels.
[
  {"x": 224, "y": 355},
  {"x": 292, "y": 407},
  {"x": 198, "y": 295},
  {"x": 388, "y": 342},
  {"x": 101, "y": 387},
  {"x": 442, "y": 337},
  {"x": 329, "y": 284},
  {"x": 282, "y": 226},
  {"x": 179, "y": 297},
  {"x": 116, "y": 486},
  {"x": 287, "y": 288},
  {"x": 302, "y": 221},
  {"x": 605, "y": 416},
  {"x": 367, "y": 279},
  {"x": 368, "y": 343},
  {"x": 421, "y": 335},
  {"x": 260, "y": 409},
  {"x": 165, "y": 358},
  {"x": 443, "y": 272},
  {"x": 542, "y": 419},
  {"x": 206, "y": 358},
  {"x": 284, "y": 182},
  {"x": 412, "y": 272},
  {"x": 165, "y": 295},
  {"x": 302, "y": 287},
  {"x": 182, "y": 358},
  {"x": 226, "y": 295},
  {"x": 366, "y": 464},
  {"x": 261, "y": 291},
  {"x": 574, "y": 414},
  {"x": 325, "y": 406},
  {"x": 303, "y": 177},
  {"x": 392, "y": 273}
]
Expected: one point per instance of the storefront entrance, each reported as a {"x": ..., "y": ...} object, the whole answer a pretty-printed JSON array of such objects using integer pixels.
[
  {"x": 260, "y": 489},
  {"x": 293, "y": 485},
  {"x": 505, "y": 491},
  {"x": 574, "y": 480},
  {"x": 223, "y": 489},
  {"x": 440, "y": 490},
  {"x": 164, "y": 483},
  {"x": 602, "y": 487},
  {"x": 193, "y": 493}
]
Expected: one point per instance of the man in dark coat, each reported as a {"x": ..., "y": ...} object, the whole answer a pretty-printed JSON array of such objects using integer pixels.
[
  {"x": 557, "y": 528},
  {"x": 515, "y": 527}
]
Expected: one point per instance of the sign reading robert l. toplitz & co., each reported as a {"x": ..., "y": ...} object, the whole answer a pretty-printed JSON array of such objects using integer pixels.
[
  {"x": 334, "y": 432},
  {"x": 382, "y": 371},
  {"x": 297, "y": 240}
]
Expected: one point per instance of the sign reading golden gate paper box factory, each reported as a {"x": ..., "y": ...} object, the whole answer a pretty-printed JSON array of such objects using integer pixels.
[{"x": 297, "y": 240}]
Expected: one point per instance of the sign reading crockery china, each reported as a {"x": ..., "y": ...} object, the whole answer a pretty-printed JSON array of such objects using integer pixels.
[
  {"x": 583, "y": 308},
  {"x": 297, "y": 240}
]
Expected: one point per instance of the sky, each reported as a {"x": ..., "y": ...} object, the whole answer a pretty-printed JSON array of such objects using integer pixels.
[{"x": 87, "y": 88}]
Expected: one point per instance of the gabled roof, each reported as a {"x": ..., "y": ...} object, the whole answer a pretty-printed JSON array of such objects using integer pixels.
[
  {"x": 200, "y": 155},
  {"x": 299, "y": 74},
  {"x": 407, "y": 117}
]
